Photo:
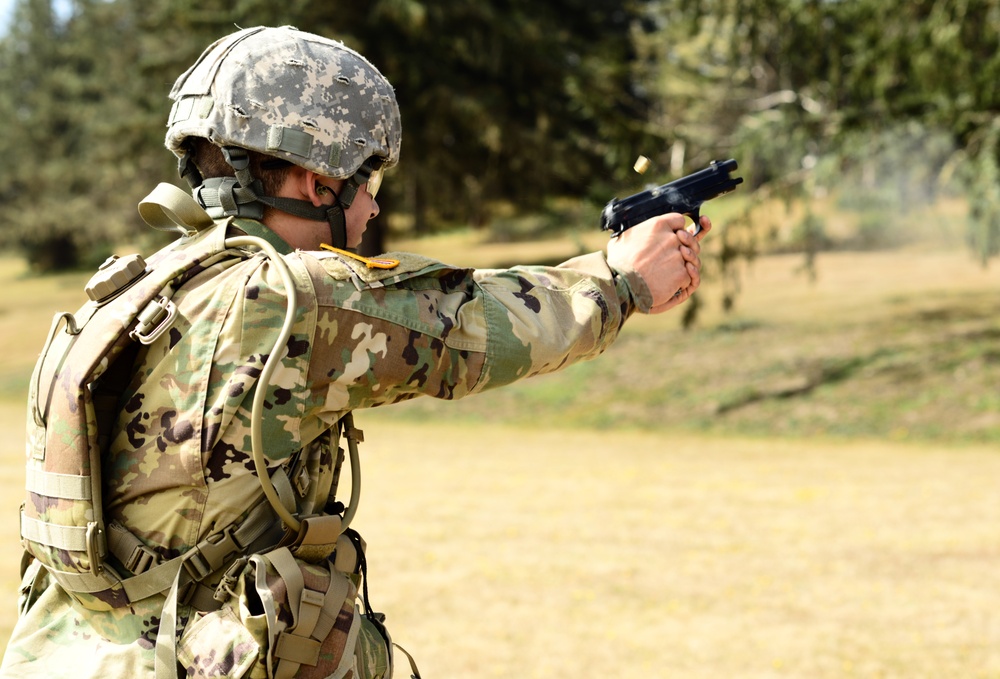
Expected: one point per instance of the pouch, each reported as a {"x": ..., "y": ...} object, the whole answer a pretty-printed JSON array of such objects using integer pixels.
[{"x": 284, "y": 618}]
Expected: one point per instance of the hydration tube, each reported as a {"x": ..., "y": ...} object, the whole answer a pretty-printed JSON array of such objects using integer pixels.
[
  {"x": 352, "y": 447},
  {"x": 257, "y": 412},
  {"x": 168, "y": 208}
]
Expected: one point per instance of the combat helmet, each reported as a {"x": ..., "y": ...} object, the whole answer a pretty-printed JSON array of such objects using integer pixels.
[{"x": 289, "y": 94}]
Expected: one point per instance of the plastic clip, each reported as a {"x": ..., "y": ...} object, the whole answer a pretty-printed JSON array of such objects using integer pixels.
[
  {"x": 141, "y": 560},
  {"x": 211, "y": 554},
  {"x": 225, "y": 588},
  {"x": 154, "y": 320}
]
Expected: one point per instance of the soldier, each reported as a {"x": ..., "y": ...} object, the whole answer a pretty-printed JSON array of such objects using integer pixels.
[{"x": 227, "y": 551}]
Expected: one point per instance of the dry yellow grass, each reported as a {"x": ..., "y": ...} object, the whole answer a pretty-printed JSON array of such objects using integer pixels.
[{"x": 499, "y": 552}]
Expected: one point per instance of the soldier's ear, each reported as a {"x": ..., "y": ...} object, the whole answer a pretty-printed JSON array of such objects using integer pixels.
[
  {"x": 300, "y": 184},
  {"x": 315, "y": 190}
]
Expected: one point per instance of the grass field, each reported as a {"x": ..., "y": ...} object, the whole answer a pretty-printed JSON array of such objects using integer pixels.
[
  {"x": 804, "y": 488},
  {"x": 503, "y": 552}
]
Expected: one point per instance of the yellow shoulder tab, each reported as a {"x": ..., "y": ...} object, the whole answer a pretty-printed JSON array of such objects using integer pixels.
[{"x": 370, "y": 262}]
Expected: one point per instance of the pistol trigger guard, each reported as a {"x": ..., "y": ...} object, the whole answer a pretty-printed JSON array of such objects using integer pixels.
[{"x": 695, "y": 216}]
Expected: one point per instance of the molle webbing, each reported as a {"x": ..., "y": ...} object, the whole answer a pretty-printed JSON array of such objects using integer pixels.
[{"x": 62, "y": 523}]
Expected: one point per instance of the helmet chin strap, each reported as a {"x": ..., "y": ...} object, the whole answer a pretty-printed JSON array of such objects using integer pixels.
[
  {"x": 337, "y": 219},
  {"x": 243, "y": 196}
]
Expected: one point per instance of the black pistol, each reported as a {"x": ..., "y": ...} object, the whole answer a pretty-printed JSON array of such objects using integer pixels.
[{"x": 684, "y": 195}]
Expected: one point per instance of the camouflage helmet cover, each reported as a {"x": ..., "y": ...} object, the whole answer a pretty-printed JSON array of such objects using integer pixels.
[{"x": 288, "y": 94}]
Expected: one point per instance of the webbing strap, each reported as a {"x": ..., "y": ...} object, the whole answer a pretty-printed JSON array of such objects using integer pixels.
[
  {"x": 311, "y": 612},
  {"x": 165, "y": 656},
  {"x": 168, "y": 208},
  {"x": 294, "y": 586},
  {"x": 130, "y": 551},
  {"x": 224, "y": 197},
  {"x": 50, "y": 484},
  {"x": 84, "y": 582},
  {"x": 153, "y": 581},
  {"x": 53, "y": 534}
]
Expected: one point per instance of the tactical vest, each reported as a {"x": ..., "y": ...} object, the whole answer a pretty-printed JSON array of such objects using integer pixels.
[{"x": 73, "y": 401}]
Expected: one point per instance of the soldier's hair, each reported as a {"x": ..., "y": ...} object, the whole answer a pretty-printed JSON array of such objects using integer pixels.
[{"x": 209, "y": 160}]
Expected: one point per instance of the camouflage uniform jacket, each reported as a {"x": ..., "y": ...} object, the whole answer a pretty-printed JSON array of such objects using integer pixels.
[{"x": 180, "y": 466}]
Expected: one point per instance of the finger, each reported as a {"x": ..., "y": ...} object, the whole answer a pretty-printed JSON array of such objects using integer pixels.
[
  {"x": 706, "y": 226},
  {"x": 695, "y": 274},
  {"x": 690, "y": 241},
  {"x": 690, "y": 255},
  {"x": 671, "y": 221}
]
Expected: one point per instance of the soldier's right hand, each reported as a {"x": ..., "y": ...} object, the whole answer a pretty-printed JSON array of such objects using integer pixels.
[{"x": 665, "y": 255}]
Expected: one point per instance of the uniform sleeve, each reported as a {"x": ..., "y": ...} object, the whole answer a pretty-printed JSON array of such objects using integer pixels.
[{"x": 447, "y": 332}]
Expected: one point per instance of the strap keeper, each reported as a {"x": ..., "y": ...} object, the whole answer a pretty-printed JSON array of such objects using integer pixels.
[
  {"x": 301, "y": 650},
  {"x": 97, "y": 546},
  {"x": 236, "y": 157},
  {"x": 354, "y": 433}
]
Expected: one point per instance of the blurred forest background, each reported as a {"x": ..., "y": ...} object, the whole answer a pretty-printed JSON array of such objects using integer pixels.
[
  {"x": 524, "y": 116},
  {"x": 795, "y": 477},
  {"x": 849, "y": 276}
]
